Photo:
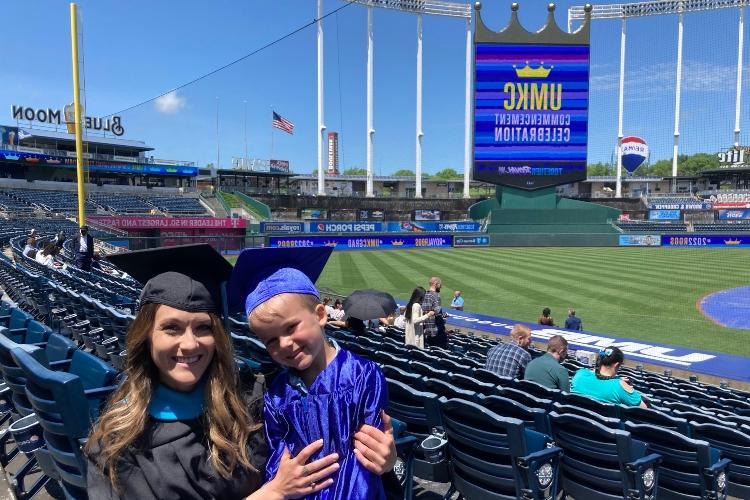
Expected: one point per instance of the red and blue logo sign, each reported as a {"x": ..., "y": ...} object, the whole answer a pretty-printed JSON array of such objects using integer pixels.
[{"x": 634, "y": 153}]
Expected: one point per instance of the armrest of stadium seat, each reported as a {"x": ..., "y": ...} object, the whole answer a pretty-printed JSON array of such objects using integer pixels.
[
  {"x": 536, "y": 483},
  {"x": 4, "y": 319},
  {"x": 716, "y": 477},
  {"x": 70, "y": 316},
  {"x": 81, "y": 324},
  {"x": 61, "y": 365},
  {"x": 58, "y": 310},
  {"x": 100, "y": 392},
  {"x": 41, "y": 345},
  {"x": 639, "y": 481}
]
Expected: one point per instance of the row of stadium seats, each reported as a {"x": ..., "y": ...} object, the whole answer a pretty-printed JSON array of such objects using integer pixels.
[
  {"x": 28, "y": 200},
  {"x": 728, "y": 196},
  {"x": 652, "y": 227},
  {"x": 505, "y": 437},
  {"x": 729, "y": 226}
]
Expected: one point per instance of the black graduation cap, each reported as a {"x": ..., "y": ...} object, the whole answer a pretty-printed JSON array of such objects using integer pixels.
[
  {"x": 261, "y": 273},
  {"x": 186, "y": 277}
]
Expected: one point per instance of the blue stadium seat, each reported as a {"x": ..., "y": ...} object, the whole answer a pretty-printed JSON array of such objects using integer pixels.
[
  {"x": 604, "y": 409},
  {"x": 420, "y": 412},
  {"x": 525, "y": 399},
  {"x": 690, "y": 468},
  {"x": 447, "y": 390},
  {"x": 734, "y": 445},
  {"x": 408, "y": 378},
  {"x": 639, "y": 415},
  {"x": 14, "y": 324},
  {"x": 493, "y": 457},
  {"x": 603, "y": 463},
  {"x": 609, "y": 423},
  {"x": 493, "y": 378},
  {"x": 533, "y": 418},
  {"x": 538, "y": 390},
  {"x": 66, "y": 404},
  {"x": 471, "y": 384}
]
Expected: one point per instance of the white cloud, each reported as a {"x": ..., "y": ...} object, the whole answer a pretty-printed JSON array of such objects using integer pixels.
[{"x": 169, "y": 103}]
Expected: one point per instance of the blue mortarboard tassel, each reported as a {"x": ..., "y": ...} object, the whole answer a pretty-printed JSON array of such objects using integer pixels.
[{"x": 285, "y": 280}]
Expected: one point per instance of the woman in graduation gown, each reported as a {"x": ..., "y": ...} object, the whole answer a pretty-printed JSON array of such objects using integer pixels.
[{"x": 177, "y": 427}]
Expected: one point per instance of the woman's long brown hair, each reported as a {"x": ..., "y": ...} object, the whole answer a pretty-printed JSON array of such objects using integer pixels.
[{"x": 228, "y": 424}]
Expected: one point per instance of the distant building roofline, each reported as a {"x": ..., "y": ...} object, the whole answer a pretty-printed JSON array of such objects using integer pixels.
[{"x": 64, "y": 136}]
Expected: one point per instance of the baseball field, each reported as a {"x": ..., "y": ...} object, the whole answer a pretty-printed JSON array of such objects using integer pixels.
[{"x": 642, "y": 293}]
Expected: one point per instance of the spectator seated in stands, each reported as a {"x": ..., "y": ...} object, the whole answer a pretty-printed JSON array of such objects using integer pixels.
[
  {"x": 400, "y": 321},
  {"x": 509, "y": 359},
  {"x": 603, "y": 384},
  {"x": 30, "y": 249},
  {"x": 329, "y": 307},
  {"x": 322, "y": 383},
  {"x": 46, "y": 257},
  {"x": 573, "y": 322},
  {"x": 545, "y": 318},
  {"x": 546, "y": 370},
  {"x": 338, "y": 311}
]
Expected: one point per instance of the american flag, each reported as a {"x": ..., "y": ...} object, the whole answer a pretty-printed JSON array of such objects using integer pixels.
[{"x": 282, "y": 123}]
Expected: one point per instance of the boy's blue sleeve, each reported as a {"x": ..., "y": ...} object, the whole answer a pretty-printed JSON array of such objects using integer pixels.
[
  {"x": 374, "y": 396},
  {"x": 275, "y": 428}
]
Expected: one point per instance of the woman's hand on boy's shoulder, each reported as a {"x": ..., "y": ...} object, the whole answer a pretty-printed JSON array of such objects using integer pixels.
[
  {"x": 297, "y": 478},
  {"x": 376, "y": 449}
]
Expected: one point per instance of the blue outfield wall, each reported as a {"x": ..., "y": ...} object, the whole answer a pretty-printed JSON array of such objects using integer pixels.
[{"x": 708, "y": 363}]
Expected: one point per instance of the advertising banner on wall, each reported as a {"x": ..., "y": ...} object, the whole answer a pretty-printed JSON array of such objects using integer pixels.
[
  {"x": 345, "y": 227},
  {"x": 427, "y": 215},
  {"x": 279, "y": 166},
  {"x": 145, "y": 222},
  {"x": 685, "y": 205},
  {"x": 471, "y": 241},
  {"x": 282, "y": 227},
  {"x": 664, "y": 214},
  {"x": 738, "y": 214},
  {"x": 441, "y": 227},
  {"x": 364, "y": 242},
  {"x": 531, "y": 98},
  {"x": 640, "y": 240},
  {"x": 708, "y": 240}
]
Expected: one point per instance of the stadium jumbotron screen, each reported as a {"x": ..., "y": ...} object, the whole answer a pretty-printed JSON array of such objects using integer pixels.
[{"x": 530, "y": 114}]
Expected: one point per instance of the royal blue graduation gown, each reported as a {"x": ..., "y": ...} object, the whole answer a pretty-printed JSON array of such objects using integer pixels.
[{"x": 349, "y": 392}]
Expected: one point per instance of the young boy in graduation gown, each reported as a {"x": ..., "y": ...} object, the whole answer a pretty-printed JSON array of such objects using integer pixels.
[{"x": 325, "y": 392}]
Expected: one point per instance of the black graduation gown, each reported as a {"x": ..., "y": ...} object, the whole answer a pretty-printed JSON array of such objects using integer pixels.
[{"x": 171, "y": 461}]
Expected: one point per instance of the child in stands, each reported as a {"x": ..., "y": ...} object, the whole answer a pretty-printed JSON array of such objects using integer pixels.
[{"x": 325, "y": 392}]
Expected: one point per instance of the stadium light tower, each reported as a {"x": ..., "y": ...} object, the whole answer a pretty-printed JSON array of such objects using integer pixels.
[
  {"x": 418, "y": 7},
  {"x": 657, "y": 8}
]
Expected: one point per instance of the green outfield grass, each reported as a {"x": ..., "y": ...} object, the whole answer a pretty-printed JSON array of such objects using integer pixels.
[{"x": 641, "y": 293}]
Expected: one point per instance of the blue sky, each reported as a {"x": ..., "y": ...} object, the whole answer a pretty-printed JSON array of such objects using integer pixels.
[{"x": 138, "y": 49}]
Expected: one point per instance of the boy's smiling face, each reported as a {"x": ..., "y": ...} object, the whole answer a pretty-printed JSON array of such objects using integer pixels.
[{"x": 291, "y": 327}]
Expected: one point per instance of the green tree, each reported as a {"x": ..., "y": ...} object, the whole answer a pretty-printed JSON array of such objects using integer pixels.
[
  {"x": 598, "y": 169},
  {"x": 355, "y": 171},
  {"x": 447, "y": 174},
  {"x": 404, "y": 172}
]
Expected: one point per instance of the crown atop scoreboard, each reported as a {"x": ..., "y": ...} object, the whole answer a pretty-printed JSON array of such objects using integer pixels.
[{"x": 550, "y": 33}]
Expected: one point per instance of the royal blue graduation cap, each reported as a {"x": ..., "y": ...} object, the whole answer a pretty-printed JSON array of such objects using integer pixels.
[
  {"x": 263, "y": 273},
  {"x": 187, "y": 277}
]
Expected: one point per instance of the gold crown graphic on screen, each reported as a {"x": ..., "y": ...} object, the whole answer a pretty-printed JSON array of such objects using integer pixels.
[
  {"x": 397, "y": 243},
  {"x": 529, "y": 72},
  {"x": 732, "y": 242}
]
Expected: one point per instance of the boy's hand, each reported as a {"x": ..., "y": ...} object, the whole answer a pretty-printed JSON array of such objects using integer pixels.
[{"x": 376, "y": 449}]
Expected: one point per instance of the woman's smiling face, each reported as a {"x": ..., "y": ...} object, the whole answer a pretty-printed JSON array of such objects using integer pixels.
[{"x": 182, "y": 346}]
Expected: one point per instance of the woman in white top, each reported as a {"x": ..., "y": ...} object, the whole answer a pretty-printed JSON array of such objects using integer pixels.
[
  {"x": 414, "y": 333},
  {"x": 47, "y": 256}
]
